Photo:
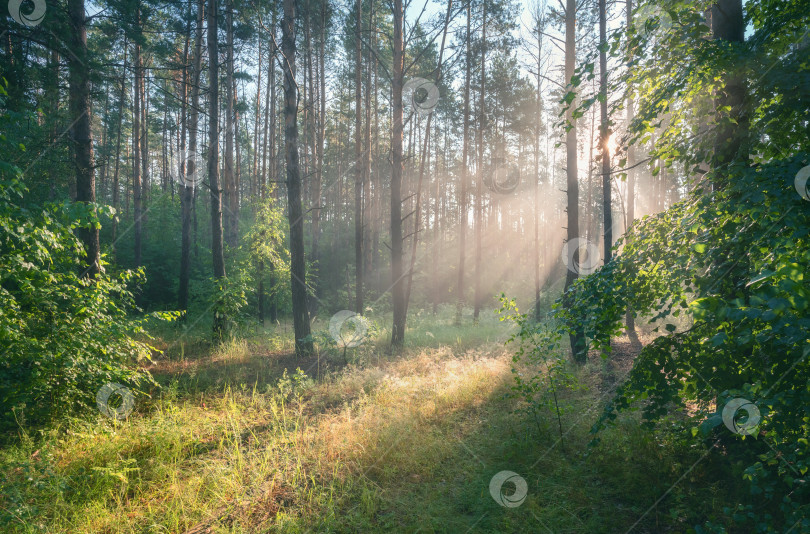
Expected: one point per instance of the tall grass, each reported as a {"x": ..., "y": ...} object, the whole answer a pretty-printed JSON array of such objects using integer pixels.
[{"x": 237, "y": 441}]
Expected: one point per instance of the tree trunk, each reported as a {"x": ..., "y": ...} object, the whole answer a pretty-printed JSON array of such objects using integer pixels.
[
  {"x": 228, "y": 180},
  {"x": 397, "y": 282},
  {"x": 424, "y": 160},
  {"x": 319, "y": 144},
  {"x": 732, "y": 130},
  {"x": 298, "y": 274},
  {"x": 115, "y": 195},
  {"x": 136, "y": 153},
  {"x": 577, "y": 339},
  {"x": 367, "y": 201},
  {"x": 538, "y": 126},
  {"x": 479, "y": 185},
  {"x": 604, "y": 132},
  {"x": 81, "y": 135},
  {"x": 462, "y": 201},
  {"x": 254, "y": 189},
  {"x": 358, "y": 162},
  {"x": 604, "y": 136},
  {"x": 213, "y": 160},
  {"x": 630, "y": 320},
  {"x": 189, "y": 161},
  {"x": 145, "y": 181}
]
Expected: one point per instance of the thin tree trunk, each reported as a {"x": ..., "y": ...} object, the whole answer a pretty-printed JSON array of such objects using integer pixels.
[
  {"x": 145, "y": 176},
  {"x": 630, "y": 321},
  {"x": 367, "y": 194},
  {"x": 462, "y": 201},
  {"x": 397, "y": 287},
  {"x": 255, "y": 175},
  {"x": 189, "y": 161},
  {"x": 538, "y": 126},
  {"x": 479, "y": 186},
  {"x": 423, "y": 159},
  {"x": 577, "y": 338},
  {"x": 136, "y": 151},
  {"x": 604, "y": 137},
  {"x": 298, "y": 274},
  {"x": 81, "y": 134},
  {"x": 115, "y": 195},
  {"x": 213, "y": 160},
  {"x": 358, "y": 162},
  {"x": 604, "y": 132},
  {"x": 228, "y": 180}
]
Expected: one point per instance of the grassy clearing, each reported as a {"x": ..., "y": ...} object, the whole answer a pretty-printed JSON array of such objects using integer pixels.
[{"x": 236, "y": 441}]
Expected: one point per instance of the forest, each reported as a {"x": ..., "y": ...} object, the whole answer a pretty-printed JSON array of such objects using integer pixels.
[{"x": 457, "y": 266}]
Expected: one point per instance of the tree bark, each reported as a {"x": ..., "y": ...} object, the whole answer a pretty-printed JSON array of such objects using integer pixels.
[
  {"x": 115, "y": 194},
  {"x": 189, "y": 162},
  {"x": 213, "y": 160},
  {"x": 228, "y": 179},
  {"x": 136, "y": 151},
  {"x": 397, "y": 281},
  {"x": 462, "y": 201},
  {"x": 479, "y": 185},
  {"x": 358, "y": 162},
  {"x": 81, "y": 135},
  {"x": 577, "y": 339},
  {"x": 730, "y": 141},
  {"x": 298, "y": 274},
  {"x": 604, "y": 132},
  {"x": 630, "y": 318}
]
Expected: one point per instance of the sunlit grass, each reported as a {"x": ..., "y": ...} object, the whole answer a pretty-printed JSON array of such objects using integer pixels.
[{"x": 392, "y": 442}]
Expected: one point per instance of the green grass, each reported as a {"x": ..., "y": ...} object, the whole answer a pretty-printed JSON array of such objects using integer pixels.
[{"x": 389, "y": 443}]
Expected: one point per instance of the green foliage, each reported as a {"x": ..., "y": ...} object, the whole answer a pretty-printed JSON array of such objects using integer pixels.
[
  {"x": 293, "y": 386},
  {"x": 724, "y": 270},
  {"x": 62, "y": 335},
  {"x": 540, "y": 364},
  {"x": 263, "y": 255}
]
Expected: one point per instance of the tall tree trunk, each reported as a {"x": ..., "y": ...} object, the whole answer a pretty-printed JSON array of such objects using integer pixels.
[
  {"x": 319, "y": 145},
  {"x": 213, "y": 160},
  {"x": 604, "y": 137},
  {"x": 188, "y": 166},
  {"x": 437, "y": 234},
  {"x": 577, "y": 339},
  {"x": 359, "y": 163},
  {"x": 298, "y": 272},
  {"x": 630, "y": 321},
  {"x": 398, "y": 285},
  {"x": 424, "y": 159},
  {"x": 604, "y": 132},
  {"x": 732, "y": 131},
  {"x": 367, "y": 198},
  {"x": 538, "y": 125},
  {"x": 237, "y": 167},
  {"x": 136, "y": 151},
  {"x": 462, "y": 201},
  {"x": 115, "y": 195},
  {"x": 145, "y": 177},
  {"x": 269, "y": 118},
  {"x": 254, "y": 189},
  {"x": 81, "y": 135},
  {"x": 228, "y": 180},
  {"x": 479, "y": 185}
]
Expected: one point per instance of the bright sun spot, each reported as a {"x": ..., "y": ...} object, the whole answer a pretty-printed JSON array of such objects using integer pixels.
[{"x": 612, "y": 146}]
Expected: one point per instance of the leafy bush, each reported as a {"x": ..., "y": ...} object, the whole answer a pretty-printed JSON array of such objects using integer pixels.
[
  {"x": 62, "y": 336},
  {"x": 540, "y": 369},
  {"x": 731, "y": 257}
]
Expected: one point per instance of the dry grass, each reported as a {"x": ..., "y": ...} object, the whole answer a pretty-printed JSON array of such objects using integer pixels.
[{"x": 233, "y": 442}]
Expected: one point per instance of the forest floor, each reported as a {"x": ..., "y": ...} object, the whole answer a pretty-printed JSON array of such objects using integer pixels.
[{"x": 236, "y": 441}]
